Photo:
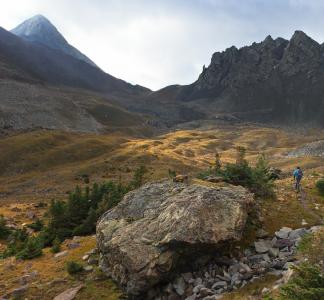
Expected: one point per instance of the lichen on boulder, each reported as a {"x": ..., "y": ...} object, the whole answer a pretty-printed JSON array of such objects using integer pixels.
[{"x": 164, "y": 227}]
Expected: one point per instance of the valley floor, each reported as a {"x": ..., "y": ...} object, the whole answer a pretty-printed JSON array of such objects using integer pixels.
[{"x": 38, "y": 166}]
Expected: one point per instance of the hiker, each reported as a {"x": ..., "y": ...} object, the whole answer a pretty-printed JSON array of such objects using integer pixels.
[{"x": 298, "y": 175}]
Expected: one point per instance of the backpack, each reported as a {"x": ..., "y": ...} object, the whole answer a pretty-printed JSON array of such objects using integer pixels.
[{"x": 299, "y": 174}]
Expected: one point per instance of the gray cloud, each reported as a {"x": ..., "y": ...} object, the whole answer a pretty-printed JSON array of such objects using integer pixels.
[{"x": 157, "y": 43}]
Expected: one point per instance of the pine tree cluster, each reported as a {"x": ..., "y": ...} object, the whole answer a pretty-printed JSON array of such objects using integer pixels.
[{"x": 76, "y": 216}]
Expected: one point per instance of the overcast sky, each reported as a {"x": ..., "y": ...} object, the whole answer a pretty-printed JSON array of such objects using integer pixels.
[{"x": 156, "y": 43}]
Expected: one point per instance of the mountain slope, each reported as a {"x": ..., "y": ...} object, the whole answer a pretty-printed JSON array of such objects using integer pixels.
[
  {"x": 275, "y": 81},
  {"x": 57, "y": 68},
  {"x": 39, "y": 29}
]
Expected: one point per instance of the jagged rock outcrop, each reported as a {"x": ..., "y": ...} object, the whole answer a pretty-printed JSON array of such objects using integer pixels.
[
  {"x": 164, "y": 228},
  {"x": 276, "y": 80}
]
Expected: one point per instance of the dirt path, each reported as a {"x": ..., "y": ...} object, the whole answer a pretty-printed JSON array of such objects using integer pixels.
[{"x": 303, "y": 196}]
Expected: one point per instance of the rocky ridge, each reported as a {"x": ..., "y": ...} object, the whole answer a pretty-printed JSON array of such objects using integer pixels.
[{"x": 276, "y": 81}]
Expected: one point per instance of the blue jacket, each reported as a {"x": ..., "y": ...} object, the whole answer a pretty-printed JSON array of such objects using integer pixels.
[{"x": 298, "y": 174}]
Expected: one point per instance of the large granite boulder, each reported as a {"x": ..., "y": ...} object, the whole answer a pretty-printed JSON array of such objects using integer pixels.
[{"x": 162, "y": 228}]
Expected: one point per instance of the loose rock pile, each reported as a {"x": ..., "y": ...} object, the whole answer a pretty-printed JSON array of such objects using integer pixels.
[
  {"x": 268, "y": 255},
  {"x": 310, "y": 149}
]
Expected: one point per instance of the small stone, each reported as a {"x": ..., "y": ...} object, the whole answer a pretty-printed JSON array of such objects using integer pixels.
[
  {"x": 88, "y": 268},
  {"x": 282, "y": 243},
  {"x": 273, "y": 241},
  {"x": 92, "y": 261},
  {"x": 262, "y": 246},
  {"x": 287, "y": 265},
  {"x": 179, "y": 286},
  {"x": 273, "y": 252},
  {"x": 30, "y": 215},
  {"x": 234, "y": 269},
  {"x": 314, "y": 229},
  {"x": 265, "y": 291},
  {"x": 197, "y": 288},
  {"x": 247, "y": 276},
  {"x": 61, "y": 254},
  {"x": 85, "y": 257},
  {"x": 92, "y": 251},
  {"x": 297, "y": 233},
  {"x": 205, "y": 292},
  {"x": 69, "y": 294},
  {"x": 248, "y": 252},
  {"x": 187, "y": 276},
  {"x": 304, "y": 223},
  {"x": 73, "y": 245},
  {"x": 219, "y": 284},
  {"x": 283, "y": 255},
  {"x": 283, "y": 232},
  {"x": 275, "y": 273},
  {"x": 258, "y": 258},
  {"x": 261, "y": 233},
  {"x": 223, "y": 278},
  {"x": 244, "y": 268}
]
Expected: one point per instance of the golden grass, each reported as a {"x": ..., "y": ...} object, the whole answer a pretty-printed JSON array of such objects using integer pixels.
[
  {"x": 50, "y": 269},
  {"x": 41, "y": 165}
]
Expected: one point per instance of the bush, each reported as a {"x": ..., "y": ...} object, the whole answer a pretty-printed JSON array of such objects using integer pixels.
[
  {"x": 76, "y": 216},
  {"x": 172, "y": 173},
  {"x": 33, "y": 248},
  {"x": 73, "y": 267},
  {"x": 320, "y": 186},
  {"x": 56, "y": 247},
  {"x": 257, "y": 179},
  {"x": 138, "y": 177},
  {"x": 306, "y": 284},
  {"x": 4, "y": 230},
  {"x": 37, "y": 225},
  {"x": 16, "y": 242}
]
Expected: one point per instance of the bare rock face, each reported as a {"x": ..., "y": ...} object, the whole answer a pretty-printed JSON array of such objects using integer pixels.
[{"x": 162, "y": 228}]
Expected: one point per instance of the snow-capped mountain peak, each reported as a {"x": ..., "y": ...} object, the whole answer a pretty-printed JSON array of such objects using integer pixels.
[{"x": 40, "y": 30}]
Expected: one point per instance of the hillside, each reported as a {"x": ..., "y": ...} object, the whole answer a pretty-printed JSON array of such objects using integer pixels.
[
  {"x": 48, "y": 163},
  {"x": 60, "y": 68}
]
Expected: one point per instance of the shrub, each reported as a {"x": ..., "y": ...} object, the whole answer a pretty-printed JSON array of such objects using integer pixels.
[
  {"x": 306, "y": 284},
  {"x": 4, "y": 230},
  {"x": 257, "y": 179},
  {"x": 56, "y": 247},
  {"x": 320, "y": 186},
  {"x": 37, "y": 225},
  {"x": 16, "y": 242},
  {"x": 172, "y": 173},
  {"x": 33, "y": 248},
  {"x": 138, "y": 177},
  {"x": 73, "y": 267},
  {"x": 305, "y": 243},
  {"x": 76, "y": 216}
]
